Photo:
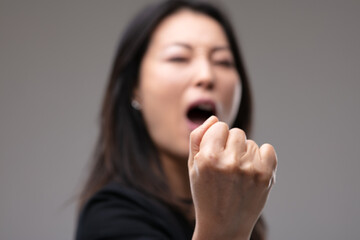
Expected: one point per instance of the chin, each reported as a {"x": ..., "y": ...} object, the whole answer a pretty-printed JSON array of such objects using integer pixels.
[{"x": 181, "y": 155}]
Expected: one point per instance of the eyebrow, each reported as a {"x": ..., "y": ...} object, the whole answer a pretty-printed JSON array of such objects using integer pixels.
[{"x": 215, "y": 49}]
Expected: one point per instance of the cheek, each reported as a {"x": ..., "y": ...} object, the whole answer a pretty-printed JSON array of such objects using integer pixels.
[
  {"x": 231, "y": 95},
  {"x": 158, "y": 85},
  {"x": 158, "y": 99},
  {"x": 237, "y": 90},
  {"x": 162, "y": 88},
  {"x": 161, "y": 93}
]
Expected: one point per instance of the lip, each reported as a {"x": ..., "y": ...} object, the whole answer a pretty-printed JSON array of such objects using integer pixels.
[{"x": 191, "y": 125}]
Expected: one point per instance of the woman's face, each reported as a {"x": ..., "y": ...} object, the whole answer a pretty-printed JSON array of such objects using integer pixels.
[{"x": 186, "y": 75}]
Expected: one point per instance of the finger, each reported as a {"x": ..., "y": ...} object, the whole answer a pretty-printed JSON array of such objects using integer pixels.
[
  {"x": 268, "y": 156},
  {"x": 236, "y": 142},
  {"x": 196, "y": 136},
  {"x": 214, "y": 139},
  {"x": 252, "y": 149},
  {"x": 267, "y": 164},
  {"x": 246, "y": 162}
]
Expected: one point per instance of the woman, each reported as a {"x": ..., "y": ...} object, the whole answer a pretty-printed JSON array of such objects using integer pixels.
[{"x": 177, "y": 65}]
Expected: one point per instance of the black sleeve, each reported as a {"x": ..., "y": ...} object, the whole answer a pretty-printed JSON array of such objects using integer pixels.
[{"x": 121, "y": 213}]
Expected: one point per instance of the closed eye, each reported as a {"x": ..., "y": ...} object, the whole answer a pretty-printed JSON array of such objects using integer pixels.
[
  {"x": 178, "y": 59},
  {"x": 225, "y": 63}
]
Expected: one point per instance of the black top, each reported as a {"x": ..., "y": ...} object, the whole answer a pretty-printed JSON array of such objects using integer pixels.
[{"x": 118, "y": 212}]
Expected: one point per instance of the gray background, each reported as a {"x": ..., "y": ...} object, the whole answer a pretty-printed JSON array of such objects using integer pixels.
[{"x": 303, "y": 58}]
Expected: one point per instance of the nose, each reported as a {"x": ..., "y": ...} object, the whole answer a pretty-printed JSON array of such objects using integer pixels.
[{"x": 204, "y": 75}]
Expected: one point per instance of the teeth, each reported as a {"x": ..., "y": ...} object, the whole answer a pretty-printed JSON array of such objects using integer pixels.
[{"x": 205, "y": 107}]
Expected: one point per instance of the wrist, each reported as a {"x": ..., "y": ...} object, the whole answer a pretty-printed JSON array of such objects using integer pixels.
[{"x": 219, "y": 233}]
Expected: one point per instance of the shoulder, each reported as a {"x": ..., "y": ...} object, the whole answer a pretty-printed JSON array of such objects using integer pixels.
[{"x": 119, "y": 212}]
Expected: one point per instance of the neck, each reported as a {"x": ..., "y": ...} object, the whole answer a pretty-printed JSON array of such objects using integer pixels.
[{"x": 176, "y": 172}]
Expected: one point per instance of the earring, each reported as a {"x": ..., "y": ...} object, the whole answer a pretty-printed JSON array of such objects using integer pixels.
[{"x": 135, "y": 104}]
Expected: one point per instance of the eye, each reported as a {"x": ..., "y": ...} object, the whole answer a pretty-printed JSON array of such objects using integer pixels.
[
  {"x": 225, "y": 63},
  {"x": 178, "y": 59}
]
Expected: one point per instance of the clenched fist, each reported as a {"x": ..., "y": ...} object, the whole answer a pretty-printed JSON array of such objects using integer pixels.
[{"x": 230, "y": 180}]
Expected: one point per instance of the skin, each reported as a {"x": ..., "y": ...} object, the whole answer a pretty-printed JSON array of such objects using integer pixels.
[
  {"x": 189, "y": 58},
  {"x": 185, "y": 61},
  {"x": 240, "y": 175}
]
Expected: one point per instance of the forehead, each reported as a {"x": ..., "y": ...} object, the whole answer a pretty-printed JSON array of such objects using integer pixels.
[{"x": 189, "y": 27}]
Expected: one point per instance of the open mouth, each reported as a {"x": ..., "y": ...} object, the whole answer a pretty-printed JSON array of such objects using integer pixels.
[{"x": 200, "y": 111}]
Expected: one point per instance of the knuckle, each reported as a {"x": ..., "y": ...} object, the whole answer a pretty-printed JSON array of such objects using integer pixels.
[
  {"x": 270, "y": 150},
  {"x": 222, "y": 125},
  {"x": 246, "y": 169},
  {"x": 239, "y": 132},
  {"x": 268, "y": 145},
  {"x": 229, "y": 164},
  {"x": 252, "y": 144},
  {"x": 215, "y": 162},
  {"x": 207, "y": 155},
  {"x": 233, "y": 158},
  {"x": 237, "y": 135}
]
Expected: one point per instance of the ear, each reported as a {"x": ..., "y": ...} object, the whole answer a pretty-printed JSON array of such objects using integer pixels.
[
  {"x": 136, "y": 99},
  {"x": 136, "y": 95}
]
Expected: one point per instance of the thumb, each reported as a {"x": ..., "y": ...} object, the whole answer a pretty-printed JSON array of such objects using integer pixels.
[{"x": 196, "y": 136}]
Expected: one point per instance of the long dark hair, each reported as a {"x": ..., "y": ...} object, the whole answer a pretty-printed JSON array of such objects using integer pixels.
[{"x": 124, "y": 151}]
